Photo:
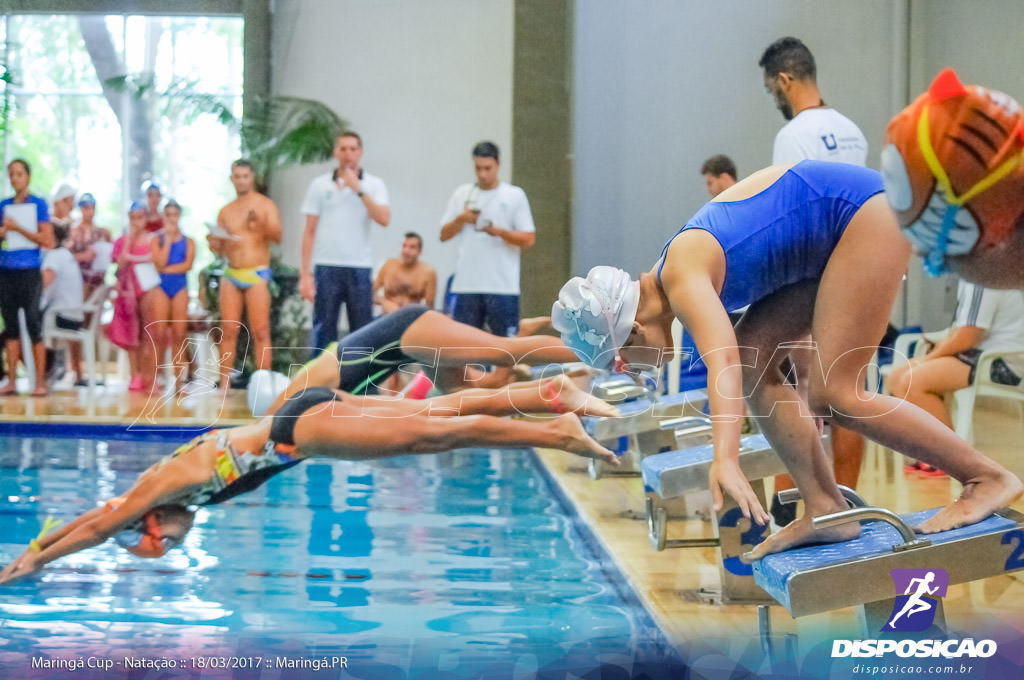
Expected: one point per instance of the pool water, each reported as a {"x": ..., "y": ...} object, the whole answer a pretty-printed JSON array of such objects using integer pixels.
[{"x": 465, "y": 564}]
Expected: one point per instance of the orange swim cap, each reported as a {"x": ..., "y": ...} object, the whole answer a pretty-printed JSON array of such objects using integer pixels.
[{"x": 953, "y": 167}]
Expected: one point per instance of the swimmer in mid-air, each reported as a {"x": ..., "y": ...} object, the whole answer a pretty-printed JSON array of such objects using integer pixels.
[
  {"x": 154, "y": 515},
  {"x": 812, "y": 249}
]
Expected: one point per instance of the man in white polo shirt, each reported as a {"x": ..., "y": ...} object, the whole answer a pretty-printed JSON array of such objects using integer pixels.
[
  {"x": 340, "y": 208},
  {"x": 814, "y": 131},
  {"x": 493, "y": 222}
]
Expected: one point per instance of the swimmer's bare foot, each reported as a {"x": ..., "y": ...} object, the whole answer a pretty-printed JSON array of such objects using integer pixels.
[
  {"x": 798, "y": 533},
  {"x": 575, "y": 439},
  {"x": 979, "y": 498},
  {"x": 571, "y": 398}
]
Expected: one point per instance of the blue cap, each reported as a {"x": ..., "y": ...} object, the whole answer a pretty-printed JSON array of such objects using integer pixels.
[
  {"x": 150, "y": 184},
  {"x": 137, "y": 206},
  {"x": 87, "y": 199}
]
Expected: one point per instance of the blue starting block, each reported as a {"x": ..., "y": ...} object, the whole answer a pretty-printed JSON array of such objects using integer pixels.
[
  {"x": 649, "y": 426},
  {"x": 822, "y": 578},
  {"x": 672, "y": 475}
]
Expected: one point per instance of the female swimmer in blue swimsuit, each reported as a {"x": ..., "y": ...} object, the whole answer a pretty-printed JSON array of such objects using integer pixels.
[
  {"x": 173, "y": 253},
  {"x": 812, "y": 249},
  {"x": 154, "y": 515}
]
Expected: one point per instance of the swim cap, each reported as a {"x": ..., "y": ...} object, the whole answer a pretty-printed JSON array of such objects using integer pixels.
[
  {"x": 137, "y": 206},
  {"x": 63, "y": 190},
  {"x": 595, "y": 315},
  {"x": 264, "y": 388},
  {"x": 952, "y": 168},
  {"x": 87, "y": 199}
]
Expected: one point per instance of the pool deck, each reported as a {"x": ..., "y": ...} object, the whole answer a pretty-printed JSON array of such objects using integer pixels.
[{"x": 613, "y": 508}]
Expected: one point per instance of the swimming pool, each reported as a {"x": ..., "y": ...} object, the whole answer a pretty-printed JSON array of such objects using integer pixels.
[{"x": 461, "y": 565}]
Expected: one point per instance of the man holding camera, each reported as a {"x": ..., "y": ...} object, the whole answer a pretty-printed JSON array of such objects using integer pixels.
[{"x": 493, "y": 222}]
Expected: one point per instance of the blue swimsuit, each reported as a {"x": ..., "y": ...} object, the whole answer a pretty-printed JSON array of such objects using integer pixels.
[
  {"x": 785, "y": 233},
  {"x": 172, "y": 284}
]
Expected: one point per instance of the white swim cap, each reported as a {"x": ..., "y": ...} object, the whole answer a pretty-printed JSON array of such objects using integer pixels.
[
  {"x": 595, "y": 315},
  {"x": 64, "y": 189},
  {"x": 264, "y": 388}
]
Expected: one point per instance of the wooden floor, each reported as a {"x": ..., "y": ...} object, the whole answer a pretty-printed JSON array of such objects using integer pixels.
[{"x": 613, "y": 507}]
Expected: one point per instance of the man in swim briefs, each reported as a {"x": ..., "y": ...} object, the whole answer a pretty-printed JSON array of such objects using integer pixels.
[{"x": 252, "y": 223}]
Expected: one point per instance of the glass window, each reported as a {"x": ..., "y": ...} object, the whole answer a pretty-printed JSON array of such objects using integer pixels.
[{"x": 70, "y": 119}]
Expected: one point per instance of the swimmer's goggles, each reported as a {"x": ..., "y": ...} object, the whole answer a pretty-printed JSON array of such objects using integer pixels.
[
  {"x": 935, "y": 260},
  {"x": 144, "y": 538}
]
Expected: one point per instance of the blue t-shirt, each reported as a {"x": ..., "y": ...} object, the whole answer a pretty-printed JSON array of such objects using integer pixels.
[{"x": 29, "y": 258}]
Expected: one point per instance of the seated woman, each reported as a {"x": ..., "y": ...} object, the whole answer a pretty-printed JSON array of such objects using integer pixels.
[
  {"x": 154, "y": 514},
  {"x": 986, "y": 320},
  {"x": 813, "y": 249},
  {"x": 416, "y": 334}
]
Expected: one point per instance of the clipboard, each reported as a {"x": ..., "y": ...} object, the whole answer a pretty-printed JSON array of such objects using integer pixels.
[
  {"x": 26, "y": 216},
  {"x": 217, "y": 231},
  {"x": 147, "y": 275}
]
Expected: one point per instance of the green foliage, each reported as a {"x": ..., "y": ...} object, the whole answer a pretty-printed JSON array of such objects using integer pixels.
[{"x": 275, "y": 132}]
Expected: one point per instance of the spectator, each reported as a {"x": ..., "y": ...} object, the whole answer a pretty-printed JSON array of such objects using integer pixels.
[
  {"x": 154, "y": 220},
  {"x": 25, "y": 229},
  {"x": 250, "y": 223},
  {"x": 62, "y": 293},
  {"x": 814, "y": 132},
  {"x": 91, "y": 246},
  {"x": 500, "y": 225},
  {"x": 337, "y": 263},
  {"x": 719, "y": 174},
  {"x": 173, "y": 254},
  {"x": 406, "y": 280},
  {"x": 63, "y": 201},
  {"x": 985, "y": 319},
  {"x": 133, "y": 306}
]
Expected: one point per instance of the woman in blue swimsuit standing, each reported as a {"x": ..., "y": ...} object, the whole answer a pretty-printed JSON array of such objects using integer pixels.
[
  {"x": 812, "y": 249},
  {"x": 173, "y": 253}
]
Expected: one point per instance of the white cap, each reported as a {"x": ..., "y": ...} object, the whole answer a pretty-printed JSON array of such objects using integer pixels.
[
  {"x": 63, "y": 189},
  {"x": 595, "y": 315}
]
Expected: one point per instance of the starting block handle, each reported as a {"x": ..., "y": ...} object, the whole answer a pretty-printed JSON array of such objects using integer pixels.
[
  {"x": 787, "y": 496},
  {"x": 910, "y": 539},
  {"x": 688, "y": 422}
]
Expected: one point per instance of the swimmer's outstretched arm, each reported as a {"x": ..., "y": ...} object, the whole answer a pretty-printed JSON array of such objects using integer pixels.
[
  {"x": 695, "y": 302},
  {"x": 95, "y": 526}
]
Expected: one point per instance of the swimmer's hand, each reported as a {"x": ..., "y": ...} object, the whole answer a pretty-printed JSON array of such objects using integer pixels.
[
  {"x": 23, "y": 566},
  {"x": 726, "y": 476}
]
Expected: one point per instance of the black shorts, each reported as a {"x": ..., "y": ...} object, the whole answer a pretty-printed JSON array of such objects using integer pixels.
[
  {"x": 1001, "y": 373},
  {"x": 21, "y": 289},
  {"x": 66, "y": 324}
]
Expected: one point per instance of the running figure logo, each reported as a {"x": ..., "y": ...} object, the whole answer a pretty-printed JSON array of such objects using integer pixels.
[{"x": 915, "y": 608}]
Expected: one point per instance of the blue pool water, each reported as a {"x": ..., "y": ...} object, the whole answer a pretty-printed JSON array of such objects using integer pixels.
[{"x": 459, "y": 565}]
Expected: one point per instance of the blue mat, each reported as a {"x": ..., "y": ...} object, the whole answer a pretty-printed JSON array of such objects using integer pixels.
[{"x": 876, "y": 538}]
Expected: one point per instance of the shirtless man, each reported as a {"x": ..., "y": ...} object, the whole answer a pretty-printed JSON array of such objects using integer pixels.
[
  {"x": 253, "y": 223},
  {"x": 405, "y": 280}
]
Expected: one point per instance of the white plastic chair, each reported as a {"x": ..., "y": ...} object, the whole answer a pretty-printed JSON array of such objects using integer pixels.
[
  {"x": 87, "y": 335},
  {"x": 962, "y": 402}
]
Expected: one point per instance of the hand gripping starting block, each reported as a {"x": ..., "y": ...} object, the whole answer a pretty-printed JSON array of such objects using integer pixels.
[
  {"x": 822, "y": 578},
  {"x": 646, "y": 427},
  {"x": 671, "y": 475}
]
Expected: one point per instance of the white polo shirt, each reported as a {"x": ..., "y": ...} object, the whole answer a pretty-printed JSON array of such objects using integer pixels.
[
  {"x": 486, "y": 264},
  {"x": 343, "y": 232},
  {"x": 820, "y": 135}
]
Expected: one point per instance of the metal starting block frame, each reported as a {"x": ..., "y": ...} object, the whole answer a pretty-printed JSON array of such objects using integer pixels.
[
  {"x": 823, "y": 578},
  {"x": 647, "y": 427},
  {"x": 672, "y": 475}
]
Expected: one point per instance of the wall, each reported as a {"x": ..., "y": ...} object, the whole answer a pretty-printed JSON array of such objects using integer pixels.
[{"x": 421, "y": 82}]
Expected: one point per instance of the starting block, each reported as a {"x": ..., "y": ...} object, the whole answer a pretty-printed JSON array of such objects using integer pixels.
[
  {"x": 647, "y": 427},
  {"x": 823, "y": 578},
  {"x": 672, "y": 475}
]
